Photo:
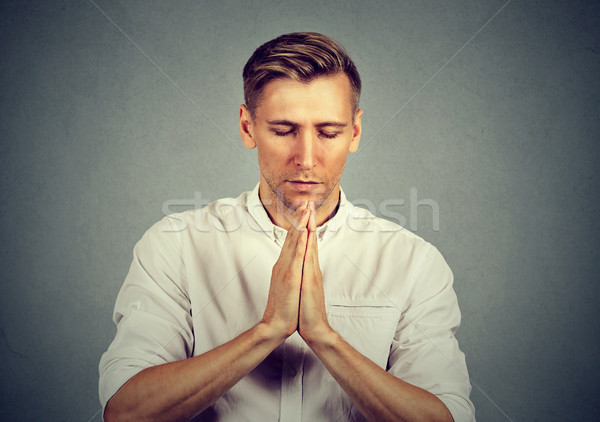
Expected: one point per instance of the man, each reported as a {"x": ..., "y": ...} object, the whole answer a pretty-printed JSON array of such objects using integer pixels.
[{"x": 288, "y": 303}]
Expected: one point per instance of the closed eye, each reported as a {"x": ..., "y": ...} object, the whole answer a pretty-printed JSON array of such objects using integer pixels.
[
  {"x": 326, "y": 135},
  {"x": 329, "y": 135},
  {"x": 283, "y": 133}
]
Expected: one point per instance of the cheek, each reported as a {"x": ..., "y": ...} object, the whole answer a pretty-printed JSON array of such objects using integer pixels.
[
  {"x": 337, "y": 162},
  {"x": 271, "y": 158}
]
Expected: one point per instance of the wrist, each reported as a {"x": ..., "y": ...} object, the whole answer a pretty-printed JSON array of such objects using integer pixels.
[
  {"x": 272, "y": 332},
  {"x": 322, "y": 338}
]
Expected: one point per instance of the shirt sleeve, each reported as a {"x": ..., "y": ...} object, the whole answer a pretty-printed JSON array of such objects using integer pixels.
[
  {"x": 425, "y": 352},
  {"x": 152, "y": 312}
]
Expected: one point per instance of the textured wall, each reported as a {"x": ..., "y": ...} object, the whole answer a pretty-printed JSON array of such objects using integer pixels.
[{"x": 111, "y": 109}]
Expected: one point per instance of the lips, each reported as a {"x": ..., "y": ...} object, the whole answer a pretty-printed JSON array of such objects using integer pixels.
[
  {"x": 304, "y": 185},
  {"x": 304, "y": 181}
]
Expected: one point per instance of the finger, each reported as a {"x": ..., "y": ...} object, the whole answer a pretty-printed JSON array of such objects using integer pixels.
[
  {"x": 312, "y": 220},
  {"x": 312, "y": 254},
  {"x": 304, "y": 217},
  {"x": 302, "y": 235},
  {"x": 300, "y": 253},
  {"x": 311, "y": 249},
  {"x": 294, "y": 246},
  {"x": 295, "y": 219},
  {"x": 293, "y": 216}
]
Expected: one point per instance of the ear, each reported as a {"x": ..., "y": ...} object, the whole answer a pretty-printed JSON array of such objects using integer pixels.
[
  {"x": 247, "y": 128},
  {"x": 356, "y": 131}
]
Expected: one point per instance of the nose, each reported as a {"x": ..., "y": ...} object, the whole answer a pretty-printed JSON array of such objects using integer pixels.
[{"x": 305, "y": 151}]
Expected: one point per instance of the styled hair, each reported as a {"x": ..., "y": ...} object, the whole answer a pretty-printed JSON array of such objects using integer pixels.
[{"x": 300, "y": 56}]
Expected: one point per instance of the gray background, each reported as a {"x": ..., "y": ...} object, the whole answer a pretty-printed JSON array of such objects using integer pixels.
[{"x": 95, "y": 138}]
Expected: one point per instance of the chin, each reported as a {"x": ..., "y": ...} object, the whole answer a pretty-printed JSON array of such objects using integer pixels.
[{"x": 291, "y": 201}]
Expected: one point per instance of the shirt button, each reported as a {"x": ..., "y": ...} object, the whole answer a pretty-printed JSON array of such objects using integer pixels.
[{"x": 292, "y": 372}]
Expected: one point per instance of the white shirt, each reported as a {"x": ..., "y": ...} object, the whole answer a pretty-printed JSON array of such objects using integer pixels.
[{"x": 200, "y": 278}]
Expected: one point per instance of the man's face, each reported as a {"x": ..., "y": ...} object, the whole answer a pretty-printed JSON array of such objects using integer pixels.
[{"x": 303, "y": 133}]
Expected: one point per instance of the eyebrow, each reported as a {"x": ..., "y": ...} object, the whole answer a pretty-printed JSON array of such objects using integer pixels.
[
  {"x": 282, "y": 122},
  {"x": 319, "y": 125}
]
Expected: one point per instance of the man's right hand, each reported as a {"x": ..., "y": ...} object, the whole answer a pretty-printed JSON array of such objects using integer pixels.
[
  {"x": 182, "y": 389},
  {"x": 281, "y": 313}
]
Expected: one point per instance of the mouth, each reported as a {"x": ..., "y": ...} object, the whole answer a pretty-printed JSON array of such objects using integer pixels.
[{"x": 304, "y": 185}]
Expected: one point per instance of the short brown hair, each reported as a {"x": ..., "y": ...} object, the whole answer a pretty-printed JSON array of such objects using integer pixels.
[{"x": 300, "y": 56}]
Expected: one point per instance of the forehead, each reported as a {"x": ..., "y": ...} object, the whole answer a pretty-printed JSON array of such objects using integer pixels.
[{"x": 325, "y": 97}]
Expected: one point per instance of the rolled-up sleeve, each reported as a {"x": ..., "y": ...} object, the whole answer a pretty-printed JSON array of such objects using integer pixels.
[
  {"x": 425, "y": 352},
  {"x": 152, "y": 312}
]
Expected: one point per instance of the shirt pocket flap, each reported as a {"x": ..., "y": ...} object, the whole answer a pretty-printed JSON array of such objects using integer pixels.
[{"x": 367, "y": 325}]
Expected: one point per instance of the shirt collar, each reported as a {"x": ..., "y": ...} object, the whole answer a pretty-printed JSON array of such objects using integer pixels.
[{"x": 259, "y": 214}]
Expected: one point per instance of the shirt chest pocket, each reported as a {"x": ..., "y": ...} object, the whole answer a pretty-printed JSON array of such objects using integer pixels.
[{"x": 369, "y": 326}]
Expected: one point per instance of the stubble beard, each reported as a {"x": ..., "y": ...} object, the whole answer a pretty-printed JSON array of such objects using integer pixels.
[{"x": 283, "y": 200}]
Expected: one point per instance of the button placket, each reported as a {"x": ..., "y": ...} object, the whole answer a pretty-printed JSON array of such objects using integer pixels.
[{"x": 291, "y": 379}]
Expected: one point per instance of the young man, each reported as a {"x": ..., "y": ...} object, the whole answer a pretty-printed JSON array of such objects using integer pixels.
[{"x": 287, "y": 303}]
